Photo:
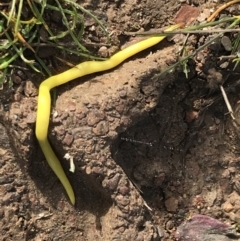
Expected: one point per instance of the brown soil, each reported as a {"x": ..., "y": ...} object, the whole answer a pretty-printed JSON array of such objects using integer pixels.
[{"x": 149, "y": 151}]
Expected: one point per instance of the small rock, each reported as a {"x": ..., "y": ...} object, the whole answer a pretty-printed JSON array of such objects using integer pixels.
[
  {"x": 226, "y": 43},
  {"x": 97, "y": 170},
  {"x": 88, "y": 170},
  {"x": 123, "y": 190},
  {"x": 68, "y": 139},
  {"x": 17, "y": 97},
  {"x": 227, "y": 207},
  {"x": 16, "y": 79},
  {"x": 125, "y": 121},
  {"x": 122, "y": 94},
  {"x": 171, "y": 204},
  {"x": 72, "y": 106},
  {"x": 215, "y": 45},
  {"x": 111, "y": 183},
  {"x": 60, "y": 130},
  {"x": 191, "y": 115},
  {"x": 101, "y": 129},
  {"x": 30, "y": 89},
  {"x": 31, "y": 118},
  {"x": 217, "y": 121},
  {"x": 94, "y": 117},
  {"x": 204, "y": 15},
  {"x": 169, "y": 225},
  {"x": 224, "y": 65},
  {"x": 209, "y": 196},
  {"x": 55, "y": 114},
  {"x": 187, "y": 14},
  {"x": 103, "y": 51},
  {"x": 122, "y": 200},
  {"x": 64, "y": 116},
  {"x": 214, "y": 78}
]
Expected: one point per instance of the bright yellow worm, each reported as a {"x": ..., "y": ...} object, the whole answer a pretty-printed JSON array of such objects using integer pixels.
[{"x": 85, "y": 68}]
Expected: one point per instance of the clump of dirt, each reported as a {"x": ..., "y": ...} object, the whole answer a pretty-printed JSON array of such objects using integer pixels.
[{"x": 149, "y": 151}]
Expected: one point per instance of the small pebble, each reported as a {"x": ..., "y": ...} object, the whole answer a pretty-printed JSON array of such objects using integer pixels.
[
  {"x": 103, "y": 51},
  {"x": 101, "y": 128},
  {"x": 226, "y": 43},
  {"x": 214, "y": 78},
  {"x": 227, "y": 207},
  {"x": 55, "y": 114},
  {"x": 16, "y": 79},
  {"x": 68, "y": 139},
  {"x": 204, "y": 15},
  {"x": 31, "y": 118},
  {"x": 171, "y": 204},
  {"x": 215, "y": 45},
  {"x": 169, "y": 225},
  {"x": 72, "y": 106},
  {"x": 224, "y": 65}
]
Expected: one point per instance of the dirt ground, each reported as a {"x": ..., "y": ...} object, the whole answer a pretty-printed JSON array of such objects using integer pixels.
[{"x": 150, "y": 152}]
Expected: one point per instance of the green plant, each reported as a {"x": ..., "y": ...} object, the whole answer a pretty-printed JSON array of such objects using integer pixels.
[
  {"x": 234, "y": 21},
  {"x": 19, "y": 35}
]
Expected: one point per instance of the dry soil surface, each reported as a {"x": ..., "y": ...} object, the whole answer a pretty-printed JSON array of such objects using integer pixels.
[{"x": 150, "y": 151}]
